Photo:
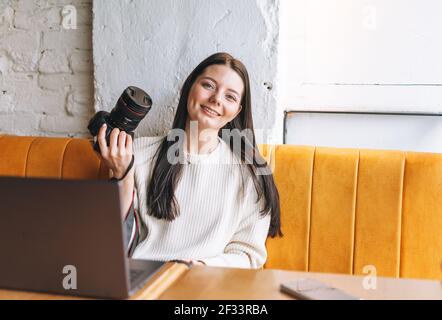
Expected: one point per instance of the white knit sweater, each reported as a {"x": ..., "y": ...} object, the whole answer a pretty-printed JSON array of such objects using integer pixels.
[{"x": 219, "y": 223}]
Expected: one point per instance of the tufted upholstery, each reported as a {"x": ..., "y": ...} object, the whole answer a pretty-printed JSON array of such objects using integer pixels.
[
  {"x": 62, "y": 158},
  {"x": 342, "y": 209}
]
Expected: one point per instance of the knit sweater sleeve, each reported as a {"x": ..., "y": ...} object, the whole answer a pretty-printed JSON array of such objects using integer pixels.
[{"x": 246, "y": 248}]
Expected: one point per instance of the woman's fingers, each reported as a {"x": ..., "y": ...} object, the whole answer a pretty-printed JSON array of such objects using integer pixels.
[
  {"x": 102, "y": 141},
  {"x": 122, "y": 143},
  {"x": 129, "y": 144},
  {"x": 118, "y": 154},
  {"x": 113, "y": 143}
]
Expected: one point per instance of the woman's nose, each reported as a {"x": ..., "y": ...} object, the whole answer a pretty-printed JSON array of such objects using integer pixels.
[{"x": 216, "y": 98}]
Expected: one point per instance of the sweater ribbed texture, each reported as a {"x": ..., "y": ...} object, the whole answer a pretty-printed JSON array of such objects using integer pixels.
[{"x": 219, "y": 222}]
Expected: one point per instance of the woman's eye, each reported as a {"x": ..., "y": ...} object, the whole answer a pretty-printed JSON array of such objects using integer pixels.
[
  {"x": 231, "y": 98},
  {"x": 207, "y": 85}
]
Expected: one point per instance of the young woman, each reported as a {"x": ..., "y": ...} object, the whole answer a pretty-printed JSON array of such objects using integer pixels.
[{"x": 213, "y": 206}]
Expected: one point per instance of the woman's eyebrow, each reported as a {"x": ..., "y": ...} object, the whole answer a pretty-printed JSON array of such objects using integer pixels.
[{"x": 207, "y": 77}]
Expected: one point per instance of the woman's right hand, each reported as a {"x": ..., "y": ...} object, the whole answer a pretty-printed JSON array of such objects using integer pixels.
[{"x": 118, "y": 155}]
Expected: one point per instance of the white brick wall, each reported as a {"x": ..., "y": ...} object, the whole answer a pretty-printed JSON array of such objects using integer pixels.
[
  {"x": 156, "y": 44},
  {"x": 46, "y": 71}
]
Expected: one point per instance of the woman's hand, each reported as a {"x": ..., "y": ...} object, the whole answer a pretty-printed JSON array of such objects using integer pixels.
[
  {"x": 118, "y": 155},
  {"x": 194, "y": 262}
]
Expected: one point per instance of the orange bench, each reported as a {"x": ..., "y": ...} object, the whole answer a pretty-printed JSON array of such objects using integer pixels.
[{"x": 342, "y": 209}]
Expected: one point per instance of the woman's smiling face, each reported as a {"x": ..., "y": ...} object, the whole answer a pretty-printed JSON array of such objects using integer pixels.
[{"x": 215, "y": 97}]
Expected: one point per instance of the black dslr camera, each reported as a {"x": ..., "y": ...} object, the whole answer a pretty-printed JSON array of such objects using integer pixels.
[{"x": 131, "y": 108}]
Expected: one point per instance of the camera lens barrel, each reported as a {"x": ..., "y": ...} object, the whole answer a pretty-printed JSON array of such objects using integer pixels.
[
  {"x": 131, "y": 107},
  {"x": 136, "y": 99}
]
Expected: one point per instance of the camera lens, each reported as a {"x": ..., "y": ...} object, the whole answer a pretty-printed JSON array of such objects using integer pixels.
[{"x": 131, "y": 108}]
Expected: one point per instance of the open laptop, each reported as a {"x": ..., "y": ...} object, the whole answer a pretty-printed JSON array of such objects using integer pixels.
[{"x": 66, "y": 237}]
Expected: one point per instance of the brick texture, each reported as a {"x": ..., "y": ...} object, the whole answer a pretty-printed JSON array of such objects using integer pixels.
[{"x": 46, "y": 69}]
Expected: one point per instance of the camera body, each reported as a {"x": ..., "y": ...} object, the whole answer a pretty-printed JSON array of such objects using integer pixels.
[{"x": 132, "y": 106}]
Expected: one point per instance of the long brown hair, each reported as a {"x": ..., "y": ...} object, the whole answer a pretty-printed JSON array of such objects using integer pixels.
[{"x": 165, "y": 175}]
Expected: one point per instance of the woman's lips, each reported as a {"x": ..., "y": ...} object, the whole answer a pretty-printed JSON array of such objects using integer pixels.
[{"x": 210, "y": 112}]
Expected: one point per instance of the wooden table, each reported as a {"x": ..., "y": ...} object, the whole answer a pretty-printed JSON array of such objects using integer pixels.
[
  {"x": 208, "y": 283},
  {"x": 222, "y": 283}
]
